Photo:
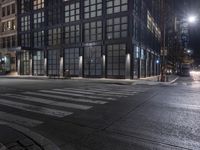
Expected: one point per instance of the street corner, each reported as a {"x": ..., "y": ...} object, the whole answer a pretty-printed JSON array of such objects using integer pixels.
[
  {"x": 14, "y": 137},
  {"x": 2, "y": 147}
]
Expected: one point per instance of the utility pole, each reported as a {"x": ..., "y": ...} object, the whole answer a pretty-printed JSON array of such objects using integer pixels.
[{"x": 163, "y": 40}]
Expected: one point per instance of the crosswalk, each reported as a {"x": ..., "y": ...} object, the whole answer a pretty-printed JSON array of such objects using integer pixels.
[{"x": 60, "y": 103}]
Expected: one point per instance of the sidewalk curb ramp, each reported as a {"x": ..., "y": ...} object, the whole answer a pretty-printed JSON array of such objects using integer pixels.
[{"x": 45, "y": 143}]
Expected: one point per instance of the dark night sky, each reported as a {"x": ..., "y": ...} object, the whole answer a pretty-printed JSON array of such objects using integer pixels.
[{"x": 191, "y": 7}]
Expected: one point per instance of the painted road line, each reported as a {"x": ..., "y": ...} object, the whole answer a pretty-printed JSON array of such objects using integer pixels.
[
  {"x": 103, "y": 92},
  {"x": 85, "y": 94},
  {"x": 35, "y": 109},
  {"x": 19, "y": 120},
  {"x": 65, "y": 98},
  {"x": 110, "y": 92},
  {"x": 72, "y": 94},
  {"x": 49, "y": 102},
  {"x": 92, "y": 92}
]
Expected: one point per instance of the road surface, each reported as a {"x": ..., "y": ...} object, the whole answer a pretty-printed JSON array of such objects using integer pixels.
[{"x": 91, "y": 115}]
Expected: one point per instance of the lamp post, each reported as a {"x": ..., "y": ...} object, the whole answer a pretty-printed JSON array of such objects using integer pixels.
[
  {"x": 192, "y": 19},
  {"x": 184, "y": 24}
]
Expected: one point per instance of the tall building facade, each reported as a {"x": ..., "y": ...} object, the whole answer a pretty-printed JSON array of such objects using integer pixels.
[
  {"x": 89, "y": 38},
  {"x": 8, "y": 35}
]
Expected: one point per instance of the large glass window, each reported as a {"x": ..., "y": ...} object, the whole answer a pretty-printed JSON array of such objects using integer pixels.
[
  {"x": 38, "y": 63},
  {"x": 3, "y": 11},
  {"x": 72, "y": 12},
  {"x": 25, "y": 40},
  {"x": 25, "y": 23},
  {"x": 38, "y": 4},
  {"x": 38, "y": 20},
  {"x": 13, "y": 8},
  {"x": 143, "y": 63},
  {"x": 72, "y": 34},
  {"x": 136, "y": 56},
  {"x": 38, "y": 39},
  {"x": 116, "y": 60},
  {"x": 92, "y": 8},
  {"x": 25, "y": 6},
  {"x": 92, "y": 61},
  {"x": 117, "y": 28},
  {"x": 53, "y": 62},
  {"x": 54, "y": 36},
  {"x": 72, "y": 61},
  {"x": 25, "y": 63},
  {"x": 54, "y": 16},
  {"x": 14, "y": 42},
  {"x": 93, "y": 31},
  {"x": 8, "y": 25},
  {"x": 116, "y": 6}
]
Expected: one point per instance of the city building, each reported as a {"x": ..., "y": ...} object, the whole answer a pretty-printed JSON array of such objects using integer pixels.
[
  {"x": 89, "y": 38},
  {"x": 8, "y": 36}
]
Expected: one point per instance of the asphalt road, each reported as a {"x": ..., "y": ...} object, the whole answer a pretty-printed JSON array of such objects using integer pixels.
[{"x": 91, "y": 115}]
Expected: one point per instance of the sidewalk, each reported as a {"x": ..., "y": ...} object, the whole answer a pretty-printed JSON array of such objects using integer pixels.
[
  {"x": 12, "y": 139},
  {"x": 155, "y": 80},
  {"x": 149, "y": 80},
  {"x": 15, "y": 137},
  {"x": 2, "y": 147}
]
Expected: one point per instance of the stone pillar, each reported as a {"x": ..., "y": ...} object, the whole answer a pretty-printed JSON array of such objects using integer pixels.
[
  {"x": 61, "y": 67},
  {"x": 18, "y": 66},
  {"x": 80, "y": 66},
  {"x": 31, "y": 66},
  {"x": 128, "y": 67},
  {"x": 45, "y": 66},
  {"x": 104, "y": 66}
]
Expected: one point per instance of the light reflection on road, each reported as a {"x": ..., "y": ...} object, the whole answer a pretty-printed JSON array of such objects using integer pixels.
[{"x": 195, "y": 75}]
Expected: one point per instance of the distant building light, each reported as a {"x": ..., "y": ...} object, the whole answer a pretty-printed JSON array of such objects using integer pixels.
[{"x": 157, "y": 61}]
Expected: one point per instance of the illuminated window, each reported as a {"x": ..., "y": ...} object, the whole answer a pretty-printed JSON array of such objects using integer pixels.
[
  {"x": 117, "y": 27},
  {"x": 92, "y": 8},
  {"x": 72, "y": 12},
  {"x": 38, "y": 4},
  {"x": 116, "y": 6}
]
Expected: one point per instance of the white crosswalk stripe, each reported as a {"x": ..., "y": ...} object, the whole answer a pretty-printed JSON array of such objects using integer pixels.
[
  {"x": 49, "y": 102},
  {"x": 81, "y": 98},
  {"x": 82, "y": 93},
  {"x": 57, "y": 91},
  {"x": 111, "y": 92},
  {"x": 19, "y": 119},
  {"x": 35, "y": 109},
  {"x": 66, "y": 98},
  {"x": 104, "y": 92},
  {"x": 93, "y": 92}
]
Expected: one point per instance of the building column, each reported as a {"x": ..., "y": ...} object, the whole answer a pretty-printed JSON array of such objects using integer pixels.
[
  {"x": 139, "y": 68},
  {"x": 45, "y": 66},
  {"x": 128, "y": 66},
  {"x": 31, "y": 64},
  {"x": 80, "y": 66},
  {"x": 18, "y": 66},
  {"x": 61, "y": 67},
  {"x": 104, "y": 65}
]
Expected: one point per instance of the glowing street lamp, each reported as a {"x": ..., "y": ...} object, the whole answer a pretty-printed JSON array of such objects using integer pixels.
[{"x": 192, "y": 19}]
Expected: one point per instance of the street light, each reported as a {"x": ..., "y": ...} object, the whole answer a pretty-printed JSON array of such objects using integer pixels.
[{"x": 192, "y": 19}]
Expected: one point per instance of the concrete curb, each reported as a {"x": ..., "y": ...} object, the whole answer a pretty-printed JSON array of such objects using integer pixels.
[
  {"x": 45, "y": 143},
  {"x": 2, "y": 147},
  {"x": 171, "y": 82}
]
